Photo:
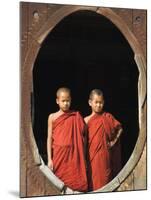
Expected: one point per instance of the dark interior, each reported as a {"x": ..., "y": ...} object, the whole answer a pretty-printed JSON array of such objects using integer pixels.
[{"x": 86, "y": 51}]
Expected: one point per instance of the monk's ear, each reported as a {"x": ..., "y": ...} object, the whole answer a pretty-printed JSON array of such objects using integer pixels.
[
  {"x": 89, "y": 102},
  {"x": 57, "y": 101}
]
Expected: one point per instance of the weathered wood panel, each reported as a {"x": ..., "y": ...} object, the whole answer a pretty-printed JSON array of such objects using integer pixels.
[
  {"x": 52, "y": 8},
  {"x": 137, "y": 179},
  {"x": 37, "y": 16},
  {"x": 140, "y": 173},
  {"x": 128, "y": 184},
  {"x": 126, "y": 15},
  {"x": 23, "y": 145},
  {"x": 32, "y": 181},
  {"x": 33, "y": 16},
  {"x": 139, "y": 27},
  {"x": 50, "y": 189},
  {"x": 23, "y": 164},
  {"x": 23, "y": 29},
  {"x": 139, "y": 30},
  {"x": 35, "y": 179}
]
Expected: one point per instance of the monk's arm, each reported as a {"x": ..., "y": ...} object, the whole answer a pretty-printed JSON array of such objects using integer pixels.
[
  {"x": 112, "y": 142},
  {"x": 49, "y": 143}
]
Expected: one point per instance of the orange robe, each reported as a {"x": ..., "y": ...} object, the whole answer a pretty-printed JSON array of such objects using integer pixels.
[
  {"x": 68, "y": 150},
  {"x": 103, "y": 163}
]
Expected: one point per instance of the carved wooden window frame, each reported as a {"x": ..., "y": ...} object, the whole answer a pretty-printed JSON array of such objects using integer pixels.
[{"x": 27, "y": 89}]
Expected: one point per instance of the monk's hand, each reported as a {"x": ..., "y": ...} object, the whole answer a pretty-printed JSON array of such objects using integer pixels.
[
  {"x": 50, "y": 164},
  {"x": 111, "y": 144}
]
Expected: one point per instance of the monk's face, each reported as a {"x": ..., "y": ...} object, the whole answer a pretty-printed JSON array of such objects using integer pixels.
[
  {"x": 96, "y": 103},
  {"x": 64, "y": 101}
]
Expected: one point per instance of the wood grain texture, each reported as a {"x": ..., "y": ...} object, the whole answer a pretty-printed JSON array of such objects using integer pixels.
[
  {"x": 126, "y": 15},
  {"x": 32, "y": 181},
  {"x": 35, "y": 179},
  {"x": 137, "y": 179},
  {"x": 23, "y": 166},
  {"x": 50, "y": 189},
  {"x": 37, "y": 16},
  {"x": 52, "y": 8},
  {"x": 23, "y": 143},
  {"x": 128, "y": 184},
  {"x": 140, "y": 173},
  {"x": 23, "y": 29},
  {"x": 139, "y": 28}
]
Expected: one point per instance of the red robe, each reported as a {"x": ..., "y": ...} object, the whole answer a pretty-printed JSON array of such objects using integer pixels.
[
  {"x": 68, "y": 150},
  {"x": 103, "y": 164}
]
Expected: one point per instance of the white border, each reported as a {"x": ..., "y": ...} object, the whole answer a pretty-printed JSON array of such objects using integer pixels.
[{"x": 9, "y": 98}]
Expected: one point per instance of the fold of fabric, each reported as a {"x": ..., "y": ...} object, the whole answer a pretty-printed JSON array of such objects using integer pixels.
[
  {"x": 103, "y": 163},
  {"x": 68, "y": 150}
]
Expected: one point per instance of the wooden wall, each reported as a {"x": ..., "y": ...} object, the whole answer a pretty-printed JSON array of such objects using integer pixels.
[
  {"x": 136, "y": 21},
  {"x": 32, "y": 17},
  {"x": 32, "y": 181}
]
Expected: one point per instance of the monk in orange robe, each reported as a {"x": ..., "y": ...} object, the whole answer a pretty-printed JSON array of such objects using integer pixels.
[
  {"x": 104, "y": 159},
  {"x": 65, "y": 144}
]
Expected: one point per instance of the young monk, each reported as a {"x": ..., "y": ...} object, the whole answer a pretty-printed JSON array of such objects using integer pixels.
[
  {"x": 104, "y": 130},
  {"x": 65, "y": 143}
]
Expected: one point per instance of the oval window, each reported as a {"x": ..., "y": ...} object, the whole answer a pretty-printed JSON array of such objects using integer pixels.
[{"x": 85, "y": 50}]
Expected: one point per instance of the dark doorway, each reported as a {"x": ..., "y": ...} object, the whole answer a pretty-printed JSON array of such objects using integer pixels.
[{"x": 86, "y": 51}]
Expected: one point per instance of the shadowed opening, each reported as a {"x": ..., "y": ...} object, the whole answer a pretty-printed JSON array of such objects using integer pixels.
[{"x": 86, "y": 51}]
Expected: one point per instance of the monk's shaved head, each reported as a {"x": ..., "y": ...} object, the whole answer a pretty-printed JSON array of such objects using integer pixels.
[
  {"x": 63, "y": 89},
  {"x": 95, "y": 92}
]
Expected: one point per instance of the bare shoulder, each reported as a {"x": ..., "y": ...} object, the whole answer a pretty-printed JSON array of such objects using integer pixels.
[
  {"x": 86, "y": 119},
  {"x": 52, "y": 116}
]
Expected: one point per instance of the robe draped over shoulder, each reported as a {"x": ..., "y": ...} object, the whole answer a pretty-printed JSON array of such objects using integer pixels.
[
  {"x": 68, "y": 150},
  {"x": 102, "y": 161}
]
